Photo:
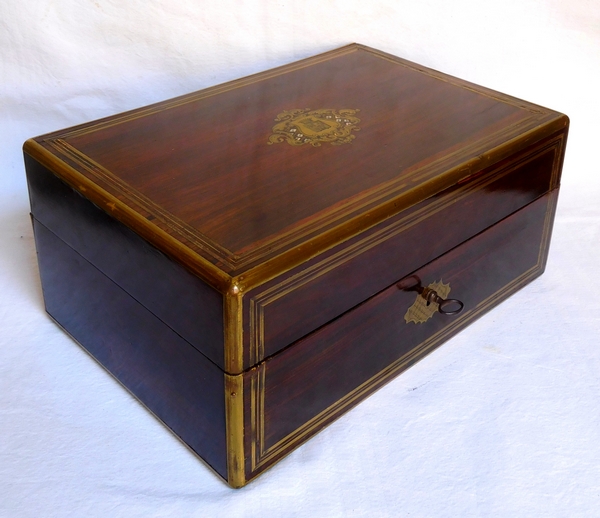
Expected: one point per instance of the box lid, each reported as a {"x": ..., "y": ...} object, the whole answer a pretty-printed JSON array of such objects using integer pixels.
[{"x": 242, "y": 181}]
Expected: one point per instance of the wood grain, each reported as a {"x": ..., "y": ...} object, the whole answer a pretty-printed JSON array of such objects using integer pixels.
[
  {"x": 243, "y": 289},
  {"x": 177, "y": 297},
  {"x": 298, "y": 391},
  {"x": 202, "y": 170},
  {"x": 294, "y": 304},
  {"x": 171, "y": 378}
]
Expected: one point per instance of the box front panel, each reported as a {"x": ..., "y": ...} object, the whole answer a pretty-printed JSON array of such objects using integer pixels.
[
  {"x": 303, "y": 299},
  {"x": 294, "y": 394}
]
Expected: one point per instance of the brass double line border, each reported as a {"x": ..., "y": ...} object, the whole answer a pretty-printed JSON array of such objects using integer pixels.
[
  {"x": 232, "y": 260},
  {"x": 258, "y": 303},
  {"x": 260, "y": 455},
  {"x": 220, "y": 254},
  {"x": 187, "y": 232}
]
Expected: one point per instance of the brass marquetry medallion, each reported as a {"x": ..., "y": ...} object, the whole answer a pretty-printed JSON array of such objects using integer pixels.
[
  {"x": 421, "y": 311},
  {"x": 299, "y": 127}
]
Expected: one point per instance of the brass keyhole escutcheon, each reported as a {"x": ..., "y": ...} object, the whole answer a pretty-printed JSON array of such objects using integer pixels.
[{"x": 430, "y": 300}]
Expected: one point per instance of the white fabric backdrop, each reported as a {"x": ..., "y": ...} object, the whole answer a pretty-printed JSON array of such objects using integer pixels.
[{"x": 503, "y": 420}]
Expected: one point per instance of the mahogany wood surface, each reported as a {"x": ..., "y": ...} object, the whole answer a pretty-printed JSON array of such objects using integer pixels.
[
  {"x": 329, "y": 371},
  {"x": 171, "y": 378},
  {"x": 177, "y": 297},
  {"x": 201, "y": 167},
  {"x": 245, "y": 291},
  {"x": 209, "y": 164},
  {"x": 299, "y": 301}
]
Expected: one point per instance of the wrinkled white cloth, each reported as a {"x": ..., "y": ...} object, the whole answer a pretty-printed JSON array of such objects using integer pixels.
[{"x": 503, "y": 420}]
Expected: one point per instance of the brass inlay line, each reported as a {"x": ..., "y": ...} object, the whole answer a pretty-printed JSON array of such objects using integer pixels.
[
  {"x": 257, "y": 415},
  {"x": 524, "y": 126},
  {"x": 258, "y": 303},
  {"x": 467, "y": 85},
  {"x": 262, "y": 455}
]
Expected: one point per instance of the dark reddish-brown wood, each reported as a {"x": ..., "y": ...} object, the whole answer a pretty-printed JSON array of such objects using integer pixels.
[
  {"x": 172, "y": 379},
  {"x": 205, "y": 165},
  {"x": 309, "y": 384},
  {"x": 340, "y": 278},
  {"x": 181, "y": 300},
  {"x": 244, "y": 288},
  {"x": 241, "y": 198}
]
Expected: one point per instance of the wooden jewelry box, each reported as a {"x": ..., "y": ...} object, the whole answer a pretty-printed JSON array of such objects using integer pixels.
[{"x": 254, "y": 259}]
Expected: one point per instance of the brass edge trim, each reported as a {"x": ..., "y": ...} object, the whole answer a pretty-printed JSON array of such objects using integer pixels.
[
  {"x": 561, "y": 156},
  {"x": 514, "y": 145},
  {"x": 233, "y": 330},
  {"x": 156, "y": 236},
  {"x": 548, "y": 224},
  {"x": 234, "y": 426},
  {"x": 275, "y": 292},
  {"x": 262, "y": 455}
]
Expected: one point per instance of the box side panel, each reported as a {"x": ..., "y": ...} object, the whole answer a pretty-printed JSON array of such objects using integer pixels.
[
  {"x": 294, "y": 394},
  {"x": 171, "y": 378},
  {"x": 303, "y": 299},
  {"x": 180, "y": 299}
]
